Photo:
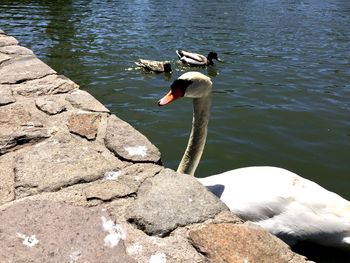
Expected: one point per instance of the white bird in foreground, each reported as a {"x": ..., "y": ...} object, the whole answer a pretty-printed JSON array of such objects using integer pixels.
[{"x": 287, "y": 205}]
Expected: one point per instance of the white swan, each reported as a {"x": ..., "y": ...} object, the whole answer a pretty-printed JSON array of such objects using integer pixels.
[{"x": 287, "y": 205}]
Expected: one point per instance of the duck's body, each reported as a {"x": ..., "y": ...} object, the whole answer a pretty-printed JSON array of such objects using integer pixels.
[
  {"x": 289, "y": 206},
  {"x": 155, "y": 66},
  {"x": 196, "y": 60}
]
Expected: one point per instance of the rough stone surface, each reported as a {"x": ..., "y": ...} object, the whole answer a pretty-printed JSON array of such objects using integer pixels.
[
  {"x": 170, "y": 200},
  {"x": 23, "y": 137},
  {"x": 51, "y": 106},
  {"x": 136, "y": 148},
  {"x": 80, "y": 234},
  {"x": 4, "y": 58},
  {"x": 171, "y": 249},
  {"x": 7, "y": 179},
  {"x": 121, "y": 183},
  {"x": 55, "y": 164},
  {"x": 16, "y": 50},
  {"x": 19, "y": 127},
  {"x": 7, "y": 40},
  {"x": 84, "y": 124},
  {"x": 49, "y": 85},
  {"x": 232, "y": 243},
  {"x": 23, "y": 68},
  {"x": 83, "y": 100},
  {"x": 6, "y": 96}
]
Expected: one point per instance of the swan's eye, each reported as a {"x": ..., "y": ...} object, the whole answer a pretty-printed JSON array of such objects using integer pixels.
[{"x": 181, "y": 84}]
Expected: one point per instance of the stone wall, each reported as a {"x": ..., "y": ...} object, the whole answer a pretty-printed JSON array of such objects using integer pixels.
[{"x": 78, "y": 184}]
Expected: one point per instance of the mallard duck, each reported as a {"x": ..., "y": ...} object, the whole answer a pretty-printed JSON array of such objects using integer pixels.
[
  {"x": 153, "y": 65},
  {"x": 197, "y": 60}
]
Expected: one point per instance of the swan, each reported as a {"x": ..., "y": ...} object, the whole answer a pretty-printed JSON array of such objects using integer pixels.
[
  {"x": 193, "y": 59},
  {"x": 154, "y": 65},
  {"x": 287, "y": 205}
]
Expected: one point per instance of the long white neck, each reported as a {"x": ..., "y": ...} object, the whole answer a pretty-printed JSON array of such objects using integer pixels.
[{"x": 196, "y": 142}]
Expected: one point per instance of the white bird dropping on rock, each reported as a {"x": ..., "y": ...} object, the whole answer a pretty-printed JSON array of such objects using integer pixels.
[
  {"x": 29, "y": 241},
  {"x": 115, "y": 232}
]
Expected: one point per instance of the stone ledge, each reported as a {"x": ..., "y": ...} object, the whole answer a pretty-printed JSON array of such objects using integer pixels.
[{"x": 72, "y": 176}]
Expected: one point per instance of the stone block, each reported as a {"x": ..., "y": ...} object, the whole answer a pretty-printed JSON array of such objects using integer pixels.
[
  {"x": 7, "y": 178},
  {"x": 231, "y": 243},
  {"x": 23, "y": 68},
  {"x": 169, "y": 200},
  {"x": 51, "y": 106},
  {"x": 6, "y": 96},
  {"x": 16, "y": 50},
  {"x": 49, "y": 85},
  {"x": 129, "y": 144},
  {"x": 82, "y": 100},
  {"x": 54, "y": 164},
  {"x": 44, "y": 231},
  {"x": 84, "y": 124},
  {"x": 20, "y": 127},
  {"x": 7, "y": 40}
]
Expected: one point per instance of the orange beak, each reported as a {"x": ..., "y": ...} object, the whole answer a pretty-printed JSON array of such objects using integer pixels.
[{"x": 172, "y": 95}]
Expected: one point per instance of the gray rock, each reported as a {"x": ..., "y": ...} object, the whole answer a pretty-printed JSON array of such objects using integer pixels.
[
  {"x": 84, "y": 124},
  {"x": 82, "y": 100},
  {"x": 7, "y": 40},
  {"x": 129, "y": 144},
  {"x": 43, "y": 231},
  {"x": 50, "y": 106},
  {"x": 16, "y": 50},
  {"x": 172, "y": 249},
  {"x": 20, "y": 127},
  {"x": 55, "y": 164},
  {"x": 49, "y": 85},
  {"x": 3, "y": 58},
  {"x": 6, "y": 96},
  {"x": 23, "y": 68},
  {"x": 169, "y": 200},
  {"x": 7, "y": 178},
  {"x": 24, "y": 136},
  {"x": 2, "y": 32},
  {"x": 231, "y": 243},
  {"x": 120, "y": 183},
  {"x": 107, "y": 190}
]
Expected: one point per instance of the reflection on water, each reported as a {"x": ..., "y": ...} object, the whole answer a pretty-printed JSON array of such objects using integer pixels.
[{"x": 281, "y": 97}]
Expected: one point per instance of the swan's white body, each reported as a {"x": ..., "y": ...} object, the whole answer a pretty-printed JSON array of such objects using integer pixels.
[{"x": 287, "y": 205}]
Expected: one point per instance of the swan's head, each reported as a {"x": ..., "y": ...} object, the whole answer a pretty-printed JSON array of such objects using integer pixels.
[{"x": 190, "y": 84}]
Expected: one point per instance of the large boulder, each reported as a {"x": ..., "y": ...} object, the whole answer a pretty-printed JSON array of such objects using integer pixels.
[
  {"x": 231, "y": 243},
  {"x": 128, "y": 144},
  {"x": 169, "y": 200},
  {"x": 43, "y": 231},
  {"x": 23, "y": 68}
]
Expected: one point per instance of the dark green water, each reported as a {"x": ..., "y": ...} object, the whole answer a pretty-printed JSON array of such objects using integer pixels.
[{"x": 281, "y": 97}]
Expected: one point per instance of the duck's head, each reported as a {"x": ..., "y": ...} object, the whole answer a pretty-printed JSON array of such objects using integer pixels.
[
  {"x": 191, "y": 85},
  {"x": 213, "y": 55},
  {"x": 167, "y": 67}
]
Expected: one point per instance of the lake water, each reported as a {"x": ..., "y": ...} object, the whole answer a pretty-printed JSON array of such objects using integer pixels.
[{"x": 281, "y": 97}]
